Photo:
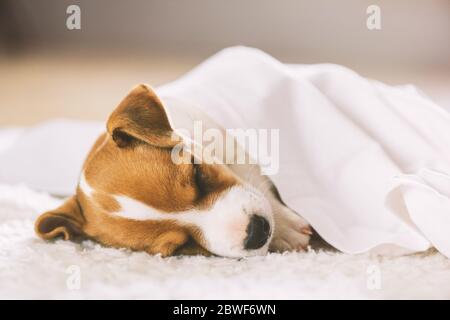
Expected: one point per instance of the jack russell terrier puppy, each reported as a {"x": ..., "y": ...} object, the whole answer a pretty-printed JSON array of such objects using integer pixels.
[{"x": 132, "y": 195}]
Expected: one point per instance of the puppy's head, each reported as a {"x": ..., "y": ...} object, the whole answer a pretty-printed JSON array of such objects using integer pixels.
[{"x": 132, "y": 194}]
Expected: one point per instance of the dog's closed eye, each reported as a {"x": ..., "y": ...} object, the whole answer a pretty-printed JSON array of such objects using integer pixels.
[{"x": 199, "y": 180}]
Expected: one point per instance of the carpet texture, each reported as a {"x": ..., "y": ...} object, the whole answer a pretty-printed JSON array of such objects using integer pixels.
[{"x": 32, "y": 268}]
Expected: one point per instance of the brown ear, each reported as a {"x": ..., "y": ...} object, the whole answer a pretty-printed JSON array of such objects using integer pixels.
[
  {"x": 66, "y": 221},
  {"x": 141, "y": 115}
]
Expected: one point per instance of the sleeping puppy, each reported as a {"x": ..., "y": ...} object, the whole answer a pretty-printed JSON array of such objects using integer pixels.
[{"x": 132, "y": 195}]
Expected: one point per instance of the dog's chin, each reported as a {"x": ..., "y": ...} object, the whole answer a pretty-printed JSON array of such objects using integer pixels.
[{"x": 242, "y": 253}]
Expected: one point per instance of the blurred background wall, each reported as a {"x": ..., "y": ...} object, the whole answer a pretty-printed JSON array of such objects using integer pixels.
[{"x": 48, "y": 71}]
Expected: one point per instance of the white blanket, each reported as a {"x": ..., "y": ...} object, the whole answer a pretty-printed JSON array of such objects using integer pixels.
[{"x": 366, "y": 164}]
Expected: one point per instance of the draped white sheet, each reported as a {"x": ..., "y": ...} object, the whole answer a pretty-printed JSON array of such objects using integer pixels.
[{"x": 368, "y": 165}]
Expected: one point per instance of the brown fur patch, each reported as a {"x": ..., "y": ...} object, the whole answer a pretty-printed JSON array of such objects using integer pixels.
[
  {"x": 138, "y": 165},
  {"x": 106, "y": 202}
]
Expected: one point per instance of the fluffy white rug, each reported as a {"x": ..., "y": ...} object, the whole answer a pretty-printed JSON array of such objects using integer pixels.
[{"x": 32, "y": 268}]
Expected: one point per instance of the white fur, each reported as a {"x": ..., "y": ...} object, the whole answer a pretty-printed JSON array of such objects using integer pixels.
[
  {"x": 84, "y": 186},
  {"x": 223, "y": 226}
]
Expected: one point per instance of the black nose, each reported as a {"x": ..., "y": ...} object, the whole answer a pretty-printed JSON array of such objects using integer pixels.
[{"x": 258, "y": 231}]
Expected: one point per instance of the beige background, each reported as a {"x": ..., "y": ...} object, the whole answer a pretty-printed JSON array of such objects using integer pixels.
[{"x": 53, "y": 72}]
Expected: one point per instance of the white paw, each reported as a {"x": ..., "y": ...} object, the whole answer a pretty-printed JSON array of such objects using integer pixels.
[{"x": 291, "y": 233}]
